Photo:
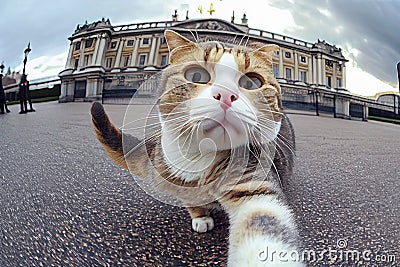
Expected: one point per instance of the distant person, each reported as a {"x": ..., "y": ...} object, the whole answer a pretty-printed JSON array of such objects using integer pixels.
[
  {"x": 3, "y": 102},
  {"x": 24, "y": 95}
]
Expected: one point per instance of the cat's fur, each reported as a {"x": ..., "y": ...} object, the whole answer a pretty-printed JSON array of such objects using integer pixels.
[{"x": 219, "y": 142}]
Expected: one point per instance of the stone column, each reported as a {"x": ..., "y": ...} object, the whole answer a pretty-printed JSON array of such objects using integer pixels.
[
  {"x": 296, "y": 66},
  {"x": 280, "y": 72},
  {"x": 344, "y": 75},
  {"x": 70, "y": 64},
  {"x": 314, "y": 68},
  {"x": 319, "y": 72},
  {"x": 119, "y": 53},
  {"x": 152, "y": 51},
  {"x": 81, "y": 55},
  {"x": 334, "y": 85},
  {"x": 155, "y": 61},
  {"x": 323, "y": 71},
  {"x": 310, "y": 71},
  {"x": 100, "y": 52},
  {"x": 135, "y": 51},
  {"x": 96, "y": 49}
]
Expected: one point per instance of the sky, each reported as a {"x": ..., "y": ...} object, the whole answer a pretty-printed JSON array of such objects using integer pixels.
[{"x": 366, "y": 30}]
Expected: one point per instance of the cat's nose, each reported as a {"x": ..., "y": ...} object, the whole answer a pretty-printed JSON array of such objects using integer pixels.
[{"x": 225, "y": 97}]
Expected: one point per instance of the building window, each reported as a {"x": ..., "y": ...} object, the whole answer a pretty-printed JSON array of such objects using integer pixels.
[
  {"x": 339, "y": 68},
  {"x": 142, "y": 60},
  {"x": 77, "y": 45},
  {"x": 328, "y": 81},
  {"x": 76, "y": 63},
  {"x": 329, "y": 63},
  {"x": 275, "y": 68},
  {"x": 113, "y": 45},
  {"x": 339, "y": 82},
  {"x": 86, "y": 60},
  {"x": 276, "y": 52},
  {"x": 303, "y": 75},
  {"x": 146, "y": 41},
  {"x": 129, "y": 43},
  {"x": 121, "y": 81},
  {"x": 303, "y": 59},
  {"x": 163, "y": 41},
  {"x": 288, "y": 74},
  {"x": 109, "y": 62},
  {"x": 127, "y": 60},
  {"x": 88, "y": 43},
  {"x": 288, "y": 55},
  {"x": 164, "y": 59}
]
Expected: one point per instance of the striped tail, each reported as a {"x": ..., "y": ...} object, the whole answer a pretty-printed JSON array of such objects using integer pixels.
[
  {"x": 262, "y": 232},
  {"x": 109, "y": 136}
]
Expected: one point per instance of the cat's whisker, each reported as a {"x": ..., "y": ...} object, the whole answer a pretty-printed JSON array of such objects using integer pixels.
[
  {"x": 272, "y": 111},
  {"x": 266, "y": 154},
  {"x": 248, "y": 38},
  {"x": 172, "y": 103},
  {"x": 194, "y": 129},
  {"x": 124, "y": 128},
  {"x": 194, "y": 38},
  {"x": 277, "y": 144}
]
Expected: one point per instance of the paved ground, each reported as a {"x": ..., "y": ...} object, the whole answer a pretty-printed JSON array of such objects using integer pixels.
[{"x": 64, "y": 203}]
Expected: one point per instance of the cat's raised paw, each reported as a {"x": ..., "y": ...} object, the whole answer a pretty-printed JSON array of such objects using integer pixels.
[{"x": 203, "y": 224}]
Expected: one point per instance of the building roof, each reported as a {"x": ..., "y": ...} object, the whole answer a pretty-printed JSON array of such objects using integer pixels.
[{"x": 209, "y": 26}]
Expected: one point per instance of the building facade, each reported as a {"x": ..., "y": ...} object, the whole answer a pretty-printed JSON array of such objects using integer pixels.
[{"x": 103, "y": 57}]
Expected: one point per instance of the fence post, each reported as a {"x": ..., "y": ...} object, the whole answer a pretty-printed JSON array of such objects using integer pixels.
[
  {"x": 334, "y": 105},
  {"x": 316, "y": 102}
]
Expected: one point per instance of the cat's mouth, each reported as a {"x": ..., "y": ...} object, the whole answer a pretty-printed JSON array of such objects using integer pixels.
[{"x": 209, "y": 125}]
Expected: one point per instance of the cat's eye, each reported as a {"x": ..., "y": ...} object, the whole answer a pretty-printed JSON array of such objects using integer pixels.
[
  {"x": 250, "y": 81},
  {"x": 197, "y": 74}
]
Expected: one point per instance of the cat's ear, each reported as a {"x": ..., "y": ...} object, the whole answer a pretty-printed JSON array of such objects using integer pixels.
[
  {"x": 269, "y": 48},
  {"x": 175, "y": 40}
]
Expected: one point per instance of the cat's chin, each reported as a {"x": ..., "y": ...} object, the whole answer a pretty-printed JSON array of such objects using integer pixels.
[{"x": 225, "y": 135}]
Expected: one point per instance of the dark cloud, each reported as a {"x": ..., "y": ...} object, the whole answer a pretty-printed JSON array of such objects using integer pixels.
[{"x": 372, "y": 27}]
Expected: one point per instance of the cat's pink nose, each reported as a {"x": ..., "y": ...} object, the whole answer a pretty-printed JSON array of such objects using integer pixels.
[{"x": 226, "y": 97}]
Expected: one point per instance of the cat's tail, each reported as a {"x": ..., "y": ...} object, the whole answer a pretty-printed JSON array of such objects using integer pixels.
[
  {"x": 262, "y": 230},
  {"x": 109, "y": 135},
  {"x": 125, "y": 150}
]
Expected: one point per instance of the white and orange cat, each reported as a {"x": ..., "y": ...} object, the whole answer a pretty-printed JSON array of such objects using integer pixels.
[{"x": 223, "y": 139}]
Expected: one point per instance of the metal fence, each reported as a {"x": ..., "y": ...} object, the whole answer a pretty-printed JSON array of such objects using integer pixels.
[{"x": 321, "y": 101}]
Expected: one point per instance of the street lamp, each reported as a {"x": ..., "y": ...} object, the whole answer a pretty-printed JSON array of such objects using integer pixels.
[
  {"x": 24, "y": 94},
  {"x": 26, "y": 52}
]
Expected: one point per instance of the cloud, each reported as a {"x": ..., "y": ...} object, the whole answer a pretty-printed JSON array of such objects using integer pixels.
[
  {"x": 47, "y": 24},
  {"x": 369, "y": 27}
]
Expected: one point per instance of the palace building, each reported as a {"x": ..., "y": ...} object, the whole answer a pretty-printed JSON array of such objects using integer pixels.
[{"x": 104, "y": 59}]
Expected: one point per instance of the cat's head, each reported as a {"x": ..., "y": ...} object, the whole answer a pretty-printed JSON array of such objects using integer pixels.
[{"x": 219, "y": 92}]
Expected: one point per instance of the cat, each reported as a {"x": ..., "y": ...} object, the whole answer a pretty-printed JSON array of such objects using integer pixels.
[{"x": 223, "y": 139}]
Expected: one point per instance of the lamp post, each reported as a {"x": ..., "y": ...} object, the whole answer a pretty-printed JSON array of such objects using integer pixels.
[
  {"x": 24, "y": 95},
  {"x": 26, "y": 52}
]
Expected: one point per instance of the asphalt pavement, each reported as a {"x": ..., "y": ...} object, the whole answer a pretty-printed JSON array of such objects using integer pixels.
[{"x": 64, "y": 203}]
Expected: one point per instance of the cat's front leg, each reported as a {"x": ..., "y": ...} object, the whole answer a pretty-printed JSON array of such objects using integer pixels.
[
  {"x": 201, "y": 219},
  {"x": 261, "y": 227}
]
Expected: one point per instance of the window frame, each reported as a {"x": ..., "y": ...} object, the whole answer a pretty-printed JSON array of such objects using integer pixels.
[
  {"x": 140, "y": 59},
  {"x": 288, "y": 70},
  {"x": 89, "y": 43}
]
